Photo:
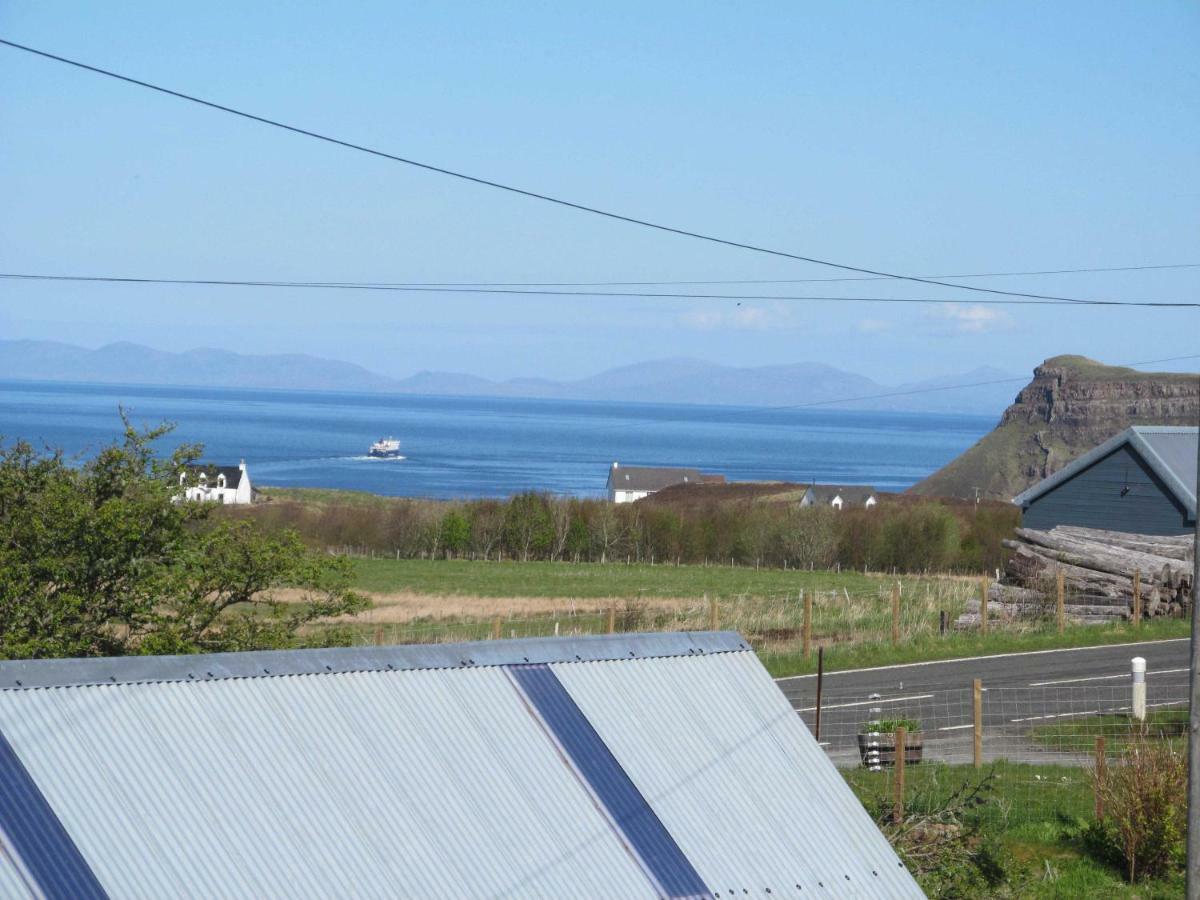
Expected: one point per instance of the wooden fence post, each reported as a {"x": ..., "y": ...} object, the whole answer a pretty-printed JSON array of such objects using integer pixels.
[
  {"x": 1101, "y": 773},
  {"x": 378, "y": 635},
  {"x": 807, "y": 624},
  {"x": 820, "y": 679},
  {"x": 983, "y": 604},
  {"x": 1137, "y": 597},
  {"x": 612, "y": 620},
  {"x": 496, "y": 628},
  {"x": 977, "y": 698},
  {"x": 714, "y": 614},
  {"x": 1060, "y": 601},
  {"x": 898, "y": 785},
  {"x": 895, "y": 613}
]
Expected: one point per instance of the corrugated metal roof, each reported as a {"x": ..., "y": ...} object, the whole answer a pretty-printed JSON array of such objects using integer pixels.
[
  {"x": 420, "y": 784},
  {"x": 414, "y": 772},
  {"x": 12, "y": 885},
  {"x": 736, "y": 778}
]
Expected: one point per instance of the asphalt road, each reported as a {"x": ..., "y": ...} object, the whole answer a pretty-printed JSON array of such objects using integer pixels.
[{"x": 1021, "y": 692}]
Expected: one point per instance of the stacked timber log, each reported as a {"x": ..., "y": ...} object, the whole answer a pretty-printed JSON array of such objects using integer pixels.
[{"x": 1098, "y": 569}]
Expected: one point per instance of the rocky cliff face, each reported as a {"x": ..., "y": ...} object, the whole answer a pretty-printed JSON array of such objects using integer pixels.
[{"x": 1071, "y": 405}]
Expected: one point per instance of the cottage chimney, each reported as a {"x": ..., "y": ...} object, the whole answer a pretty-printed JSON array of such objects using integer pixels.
[{"x": 242, "y": 465}]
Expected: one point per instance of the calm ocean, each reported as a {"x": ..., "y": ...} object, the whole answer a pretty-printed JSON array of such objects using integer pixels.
[{"x": 472, "y": 447}]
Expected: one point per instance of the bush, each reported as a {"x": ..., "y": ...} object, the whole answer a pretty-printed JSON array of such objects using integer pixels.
[
  {"x": 889, "y": 726},
  {"x": 1145, "y": 809}
]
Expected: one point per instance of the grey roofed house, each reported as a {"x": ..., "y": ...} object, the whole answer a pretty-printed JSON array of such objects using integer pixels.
[
  {"x": 1141, "y": 481},
  {"x": 659, "y": 765},
  {"x": 839, "y": 496},
  {"x": 633, "y": 482},
  {"x": 233, "y": 474}
]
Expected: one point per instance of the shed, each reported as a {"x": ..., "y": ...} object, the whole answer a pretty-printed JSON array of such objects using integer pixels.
[
  {"x": 665, "y": 765},
  {"x": 1141, "y": 481}
]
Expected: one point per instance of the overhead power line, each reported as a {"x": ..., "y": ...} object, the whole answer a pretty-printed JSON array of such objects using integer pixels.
[
  {"x": 535, "y": 195},
  {"x": 546, "y": 292},
  {"x": 721, "y": 281}
]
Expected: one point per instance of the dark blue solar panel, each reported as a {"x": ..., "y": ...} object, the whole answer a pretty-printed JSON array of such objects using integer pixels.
[
  {"x": 38, "y": 838},
  {"x": 644, "y": 832}
]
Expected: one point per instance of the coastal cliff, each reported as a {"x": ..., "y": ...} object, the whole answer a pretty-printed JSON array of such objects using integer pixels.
[{"x": 1072, "y": 404}]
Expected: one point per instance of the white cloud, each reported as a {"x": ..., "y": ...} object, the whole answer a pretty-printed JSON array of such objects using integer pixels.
[
  {"x": 971, "y": 318},
  {"x": 741, "y": 317},
  {"x": 873, "y": 326}
]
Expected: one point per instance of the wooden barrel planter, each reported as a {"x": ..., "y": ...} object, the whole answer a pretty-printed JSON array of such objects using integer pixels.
[{"x": 878, "y": 749}]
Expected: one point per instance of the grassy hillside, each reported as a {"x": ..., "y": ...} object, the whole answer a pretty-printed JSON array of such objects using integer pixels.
[{"x": 1072, "y": 404}]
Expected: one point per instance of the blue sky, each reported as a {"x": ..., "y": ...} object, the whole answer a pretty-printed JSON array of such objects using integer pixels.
[{"x": 917, "y": 138}]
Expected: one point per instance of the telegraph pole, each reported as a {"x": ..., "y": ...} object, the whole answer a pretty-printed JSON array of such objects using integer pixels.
[{"x": 1193, "y": 814}]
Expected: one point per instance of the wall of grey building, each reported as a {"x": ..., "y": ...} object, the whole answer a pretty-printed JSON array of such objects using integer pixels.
[{"x": 1119, "y": 492}]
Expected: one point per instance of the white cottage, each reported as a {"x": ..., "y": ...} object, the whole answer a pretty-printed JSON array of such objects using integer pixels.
[
  {"x": 839, "y": 496},
  {"x": 217, "y": 484},
  {"x": 629, "y": 483}
]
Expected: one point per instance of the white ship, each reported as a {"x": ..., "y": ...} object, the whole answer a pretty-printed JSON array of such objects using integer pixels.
[{"x": 385, "y": 448}]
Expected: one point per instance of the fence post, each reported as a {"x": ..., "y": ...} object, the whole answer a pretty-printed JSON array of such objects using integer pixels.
[
  {"x": 820, "y": 680},
  {"x": 496, "y": 628},
  {"x": 1139, "y": 688},
  {"x": 898, "y": 786},
  {"x": 378, "y": 635},
  {"x": 1137, "y": 597},
  {"x": 977, "y": 699},
  {"x": 942, "y": 621},
  {"x": 983, "y": 599},
  {"x": 1101, "y": 774},
  {"x": 1060, "y": 607},
  {"x": 807, "y": 633},
  {"x": 612, "y": 620},
  {"x": 714, "y": 614},
  {"x": 895, "y": 613}
]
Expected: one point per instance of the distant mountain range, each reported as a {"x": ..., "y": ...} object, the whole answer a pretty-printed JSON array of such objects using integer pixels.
[{"x": 661, "y": 381}]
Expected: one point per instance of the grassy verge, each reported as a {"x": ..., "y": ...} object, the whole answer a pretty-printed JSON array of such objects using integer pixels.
[
  {"x": 1033, "y": 815},
  {"x": 1079, "y": 735},
  {"x": 955, "y": 645}
]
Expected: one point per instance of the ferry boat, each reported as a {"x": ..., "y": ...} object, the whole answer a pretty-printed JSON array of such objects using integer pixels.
[{"x": 385, "y": 448}]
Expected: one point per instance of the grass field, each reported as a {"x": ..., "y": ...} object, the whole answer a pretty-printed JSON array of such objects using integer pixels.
[
  {"x": 1036, "y": 813},
  {"x": 456, "y": 600},
  {"x": 592, "y": 580}
]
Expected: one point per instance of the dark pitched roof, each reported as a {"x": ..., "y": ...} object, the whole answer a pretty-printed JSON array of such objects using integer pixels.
[
  {"x": 649, "y": 478},
  {"x": 853, "y": 494},
  {"x": 1170, "y": 452},
  {"x": 233, "y": 474}
]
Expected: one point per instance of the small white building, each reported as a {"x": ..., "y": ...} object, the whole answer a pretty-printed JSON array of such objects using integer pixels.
[
  {"x": 839, "y": 496},
  {"x": 217, "y": 484},
  {"x": 629, "y": 483}
]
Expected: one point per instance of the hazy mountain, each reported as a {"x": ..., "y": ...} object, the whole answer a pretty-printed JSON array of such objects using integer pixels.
[
  {"x": 679, "y": 380},
  {"x": 126, "y": 363}
]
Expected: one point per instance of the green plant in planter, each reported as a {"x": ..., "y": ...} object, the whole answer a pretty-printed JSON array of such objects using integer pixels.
[{"x": 889, "y": 726}]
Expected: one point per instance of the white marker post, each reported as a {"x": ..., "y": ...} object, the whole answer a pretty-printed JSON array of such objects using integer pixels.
[{"x": 1139, "y": 688}]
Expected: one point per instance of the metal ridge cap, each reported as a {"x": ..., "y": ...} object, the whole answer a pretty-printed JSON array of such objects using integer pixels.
[{"x": 93, "y": 671}]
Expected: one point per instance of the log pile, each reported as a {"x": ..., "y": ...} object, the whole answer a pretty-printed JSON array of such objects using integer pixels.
[{"x": 1098, "y": 569}]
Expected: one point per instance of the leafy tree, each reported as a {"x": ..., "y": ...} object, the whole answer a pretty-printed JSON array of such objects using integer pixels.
[
  {"x": 456, "y": 532},
  {"x": 104, "y": 558},
  {"x": 528, "y": 529}
]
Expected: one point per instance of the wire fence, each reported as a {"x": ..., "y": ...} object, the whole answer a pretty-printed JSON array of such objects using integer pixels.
[
  {"x": 790, "y": 624},
  {"x": 1038, "y": 746}
]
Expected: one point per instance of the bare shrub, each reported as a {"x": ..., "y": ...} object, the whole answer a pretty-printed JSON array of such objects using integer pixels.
[{"x": 1145, "y": 808}]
